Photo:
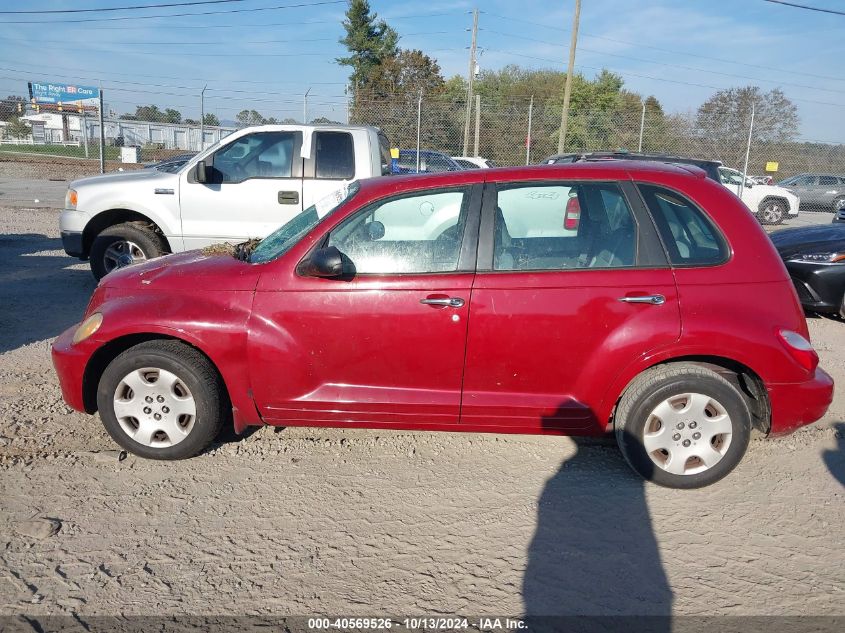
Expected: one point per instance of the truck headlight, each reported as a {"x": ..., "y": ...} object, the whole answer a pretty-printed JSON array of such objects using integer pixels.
[
  {"x": 87, "y": 327},
  {"x": 70, "y": 199}
]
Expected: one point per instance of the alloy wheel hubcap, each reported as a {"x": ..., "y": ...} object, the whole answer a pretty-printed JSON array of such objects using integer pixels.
[
  {"x": 122, "y": 253},
  {"x": 772, "y": 213},
  {"x": 687, "y": 433},
  {"x": 154, "y": 407}
]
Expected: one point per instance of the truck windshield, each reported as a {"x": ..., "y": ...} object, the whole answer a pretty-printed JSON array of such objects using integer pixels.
[{"x": 286, "y": 236}]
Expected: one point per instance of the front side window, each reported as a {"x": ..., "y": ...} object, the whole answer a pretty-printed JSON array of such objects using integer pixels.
[
  {"x": 689, "y": 236},
  {"x": 335, "y": 156},
  {"x": 563, "y": 227},
  {"x": 260, "y": 155},
  {"x": 729, "y": 176},
  {"x": 419, "y": 233},
  {"x": 828, "y": 181}
]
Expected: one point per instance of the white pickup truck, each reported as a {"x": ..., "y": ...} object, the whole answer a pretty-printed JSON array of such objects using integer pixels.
[{"x": 243, "y": 187}]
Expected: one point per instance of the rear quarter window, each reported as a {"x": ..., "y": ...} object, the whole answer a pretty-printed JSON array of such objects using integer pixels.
[
  {"x": 335, "y": 156},
  {"x": 690, "y": 237}
]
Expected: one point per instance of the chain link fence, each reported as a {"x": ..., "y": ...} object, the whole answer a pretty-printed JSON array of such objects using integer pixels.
[{"x": 509, "y": 133}]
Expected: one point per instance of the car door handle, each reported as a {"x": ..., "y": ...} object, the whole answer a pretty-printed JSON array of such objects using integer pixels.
[
  {"x": 446, "y": 302},
  {"x": 288, "y": 197},
  {"x": 655, "y": 300}
]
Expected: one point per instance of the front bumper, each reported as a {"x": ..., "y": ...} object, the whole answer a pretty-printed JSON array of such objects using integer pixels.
[
  {"x": 72, "y": 243},
  {"x": 820, "y": 286},
  {"x": 797, "y": 404},
  {"x": 70, "y": 362}
]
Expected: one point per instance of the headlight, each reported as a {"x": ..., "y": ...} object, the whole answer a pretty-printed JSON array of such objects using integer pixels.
[
  {"x": 70, "y": 199},
  {"x": 87, "y": 327},
  {"x": 825, "y": 258}
]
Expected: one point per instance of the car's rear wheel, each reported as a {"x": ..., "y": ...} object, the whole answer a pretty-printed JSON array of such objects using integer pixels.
[
  {"x": 123, "y": 245},
  {"x": 771, "y": 212},
  {"x": 682, "y": 425},
  {"x": 162, "y": 400}
]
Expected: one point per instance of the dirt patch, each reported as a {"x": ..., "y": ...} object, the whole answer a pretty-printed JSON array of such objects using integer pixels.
[{"x": 369, "y": 522}]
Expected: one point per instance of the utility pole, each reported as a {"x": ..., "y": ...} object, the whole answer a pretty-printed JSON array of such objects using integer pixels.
[
  {"x": 528, "y": 138},
  {"x": 419, "y": 122},
  {"x": 747, "y": 152},
  {"x": 102, "y": 136},
  {"x": 642, "y": 126},
  {"x": 202, "y": 117},
  {"x": 477, "y": 124},
  {"x": 305, "y": 106},
  {"x": 567, "y": 91},
  {"x": 470, "y": 79}
]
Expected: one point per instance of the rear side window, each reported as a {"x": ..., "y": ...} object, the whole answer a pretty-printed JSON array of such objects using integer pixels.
[
  {"x": 828, "y": 181},
  {"x": 689, "y": 235},
  {"x": 335, "y": 156}
]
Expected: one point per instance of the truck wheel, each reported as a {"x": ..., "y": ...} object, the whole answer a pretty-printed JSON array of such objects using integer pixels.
[
  {"x": 771, "y": 212},
  {"x": 162, "y": 400},
  {"x": 123, "y": 245},
  {"x": 682, "y": 425}
]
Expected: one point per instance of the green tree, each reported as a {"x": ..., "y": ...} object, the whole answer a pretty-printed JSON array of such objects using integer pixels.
[
  {"x": 17, "y": 128},
  {"x": 370, "y": 42},
  {"x": 172, "y": 116},
  {"x": 321, "y": 120},
  {"x": 12, "y": 106},
  {"x": 149, "y": 113},
  {"x": 249, "y": 117},
  {"x": 725, "y": 118},
  {"x": 211, "y": 119}
]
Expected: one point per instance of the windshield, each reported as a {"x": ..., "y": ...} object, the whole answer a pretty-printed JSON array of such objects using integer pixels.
[{"x": 285, "y": 237}]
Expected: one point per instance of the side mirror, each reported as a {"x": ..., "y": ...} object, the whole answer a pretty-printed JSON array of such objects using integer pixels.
[
  {"x": 325, "y": 262},
  {"x": 375, "y": 230},
  {"x": 202, "y": 172}
]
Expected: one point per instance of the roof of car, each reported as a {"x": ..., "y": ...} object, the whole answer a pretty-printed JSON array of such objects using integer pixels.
[
  {"x": 587, "y": 156},
  {"x": 599, "y": 170}
]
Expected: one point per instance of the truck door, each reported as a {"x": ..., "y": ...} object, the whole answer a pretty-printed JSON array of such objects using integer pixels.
[{"x": 254, "y": 186}]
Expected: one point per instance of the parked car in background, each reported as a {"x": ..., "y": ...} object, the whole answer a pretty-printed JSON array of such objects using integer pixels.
[
  {"x": 824, "y": 192},
  {"x": 171, "y": 164},
  {"x": 431, "y": 162},
  {"x": 839, "y": 216},
  {"x": 762, "y": 180},
  {"x": 240, "y": 188},
  {"x": 356, "y": 314},
  {"x": 769, "y": 204},
  {"x": 815, "y": 259},
  {"x": 473, "y": 162}
]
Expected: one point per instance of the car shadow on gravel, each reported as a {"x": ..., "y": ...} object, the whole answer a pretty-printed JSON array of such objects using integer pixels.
[
  {"x": 41, "y": 294},
  {"x": 835, "y": 459},
  {"x": 594, "y": 552}
]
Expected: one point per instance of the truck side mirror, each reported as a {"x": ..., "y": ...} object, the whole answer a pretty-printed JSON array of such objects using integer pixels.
[{"x": 202, "y": 172}]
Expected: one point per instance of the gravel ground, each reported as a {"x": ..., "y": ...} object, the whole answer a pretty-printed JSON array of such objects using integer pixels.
[{"x": 364, "y": 522}]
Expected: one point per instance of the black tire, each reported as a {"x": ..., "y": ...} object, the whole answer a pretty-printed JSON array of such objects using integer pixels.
[
  {"x": 194, "y": 370},
  {"x": 772, "y": 212},
  {"x": 146, "y": 239},
  {"x": 652, "y": 388}
]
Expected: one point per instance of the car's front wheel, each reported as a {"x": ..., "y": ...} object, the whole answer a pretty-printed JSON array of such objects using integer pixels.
[
  {"x": 682, "y": 425},
  {"x": 123, "y": 245},
  {"x": 162, "y": 400},
  {"x": 771, "y": 212}
]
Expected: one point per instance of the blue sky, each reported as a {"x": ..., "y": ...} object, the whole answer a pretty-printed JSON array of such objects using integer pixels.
[{"x": 267, "y": 59}]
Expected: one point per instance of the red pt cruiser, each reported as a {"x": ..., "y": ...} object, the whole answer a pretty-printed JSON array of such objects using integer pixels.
[{"x": 469, "y": 301}]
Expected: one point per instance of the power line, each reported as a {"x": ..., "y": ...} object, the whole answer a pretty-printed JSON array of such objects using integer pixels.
[
  {"x": 804, "y": 6},
  {"x": 666, "y": 50},
  {"x": 177, "y": 15},
  {"x": 682, "y": 67},
  {"x": 130, "y": 8}
]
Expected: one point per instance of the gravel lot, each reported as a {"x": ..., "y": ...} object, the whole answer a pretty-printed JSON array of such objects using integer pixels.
[{"x": 309, "y": 521}]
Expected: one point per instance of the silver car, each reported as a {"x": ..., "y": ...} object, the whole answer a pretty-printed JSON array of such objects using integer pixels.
[{"x": 820, "y": 191}]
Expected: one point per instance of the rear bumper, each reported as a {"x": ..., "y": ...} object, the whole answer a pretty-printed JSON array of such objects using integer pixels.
[
  {"x": 797, "y": 404},
  {"x": 70, "y": 362}
]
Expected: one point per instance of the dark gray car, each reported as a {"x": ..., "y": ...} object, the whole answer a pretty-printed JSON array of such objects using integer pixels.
[{"x": 818, "y": 191}]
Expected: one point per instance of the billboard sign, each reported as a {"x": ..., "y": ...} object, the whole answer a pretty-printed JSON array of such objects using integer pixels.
[{"x": 50, "y": 92}]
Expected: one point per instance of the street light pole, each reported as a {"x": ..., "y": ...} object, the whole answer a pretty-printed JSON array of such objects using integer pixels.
[
  {"x": 567, "y": 90},
  {"x": 202, "y": 117}
]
